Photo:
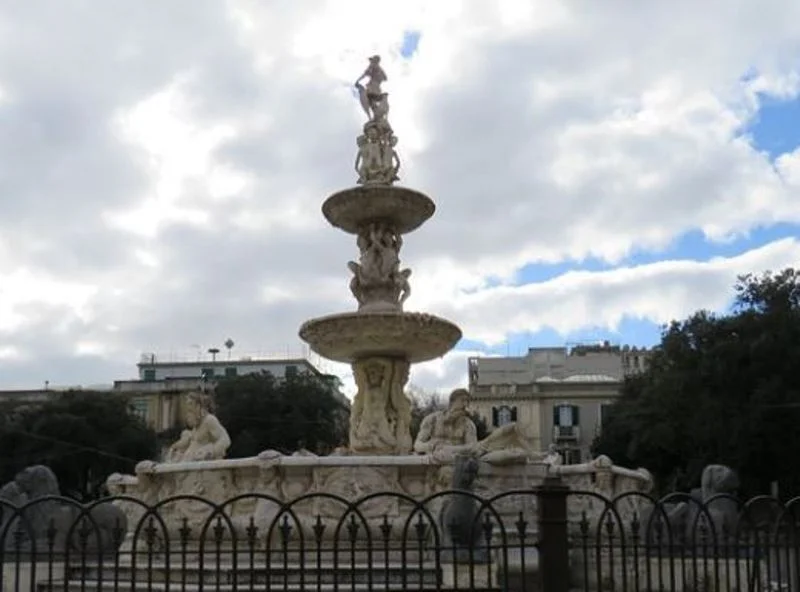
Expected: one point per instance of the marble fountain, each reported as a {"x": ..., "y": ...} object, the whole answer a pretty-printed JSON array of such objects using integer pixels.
[{"x": 380, "y": 340}]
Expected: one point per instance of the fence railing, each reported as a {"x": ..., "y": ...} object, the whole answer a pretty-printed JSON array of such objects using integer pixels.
[{"x": 454, "y": 540}]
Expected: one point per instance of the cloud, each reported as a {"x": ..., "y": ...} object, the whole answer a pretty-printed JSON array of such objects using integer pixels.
[{"x": 162, "y": 172}]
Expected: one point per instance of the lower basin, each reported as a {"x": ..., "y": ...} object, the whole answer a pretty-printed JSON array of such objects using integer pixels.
[{"x": 347, "y": 337}]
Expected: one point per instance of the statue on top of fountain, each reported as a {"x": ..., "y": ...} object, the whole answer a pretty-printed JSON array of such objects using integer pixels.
[
  {"x": 377, "y": 162},
  {"x": 448, "y": 433},
  {"x": 205, "y": 438}
]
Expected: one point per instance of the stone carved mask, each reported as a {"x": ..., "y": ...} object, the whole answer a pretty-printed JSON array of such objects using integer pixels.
[{"x": 374, "y": 375}]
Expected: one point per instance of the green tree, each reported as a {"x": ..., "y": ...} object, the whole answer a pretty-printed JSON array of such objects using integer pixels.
[
  {"x": 261, "y": 412},
  {"x": 719, "y": 389},
  {"x": 83, "y": 436}
]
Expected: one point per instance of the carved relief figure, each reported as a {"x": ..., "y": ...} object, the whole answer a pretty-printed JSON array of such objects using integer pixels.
[
  {"x": 370, "y": 428},
  {"x": 377, "y": 278},
  {"x": 399, "y": 407},
  {"x": 205, "y": 438}
]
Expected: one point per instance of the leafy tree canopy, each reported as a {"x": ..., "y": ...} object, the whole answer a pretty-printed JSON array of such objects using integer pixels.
[
  {"x": 719, "y": 389},
  {"x": 261, "y": 412},
  {"x": 83, "y": 436}
]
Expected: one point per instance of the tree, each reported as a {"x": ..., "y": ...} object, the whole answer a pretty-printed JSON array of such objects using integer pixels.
[
  {"x": 83, "y": 436},
  {"x": 423, "y": 404},
  {"x": 261, "y": 412},
  {"x": 719, "y": 389}
]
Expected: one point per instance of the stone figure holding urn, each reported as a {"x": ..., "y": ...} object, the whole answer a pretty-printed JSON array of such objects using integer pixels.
[
  {"x": 205, "y": 438},
  {"x": 451, "y": 432}
]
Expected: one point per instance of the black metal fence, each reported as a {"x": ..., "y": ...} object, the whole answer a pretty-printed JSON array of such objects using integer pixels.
[{"x": 549, "y": 538}]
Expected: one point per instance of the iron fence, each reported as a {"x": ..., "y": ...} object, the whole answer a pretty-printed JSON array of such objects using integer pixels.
[{"x": 549, "y": 538}]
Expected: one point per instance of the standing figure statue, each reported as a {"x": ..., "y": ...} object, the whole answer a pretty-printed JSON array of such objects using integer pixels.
[
  {"x": 377, "y": 161},
  {"x": 373, "y": 99}
]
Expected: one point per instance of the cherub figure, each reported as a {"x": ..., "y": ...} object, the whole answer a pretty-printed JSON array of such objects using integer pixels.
[
  {"x": 369, "y": 161},
  {"x": 402, "y": 285},
  {"x": 391, "y": 161},
  {"x": 355, "y": 283}
]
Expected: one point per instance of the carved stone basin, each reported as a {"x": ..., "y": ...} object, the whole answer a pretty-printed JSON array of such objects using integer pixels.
[
  {"x": 353, "y": 209},
  {"x": 346, "y": 337}
]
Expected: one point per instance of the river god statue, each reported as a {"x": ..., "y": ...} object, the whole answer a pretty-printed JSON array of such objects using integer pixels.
[{"x": 205, "y": 438}]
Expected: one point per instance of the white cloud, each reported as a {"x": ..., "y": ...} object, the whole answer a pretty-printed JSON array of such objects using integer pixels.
[{"x": 163, "y": 172}]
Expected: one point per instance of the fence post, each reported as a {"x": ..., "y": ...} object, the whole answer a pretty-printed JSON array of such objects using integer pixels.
[{"x": 553, "y": 538}]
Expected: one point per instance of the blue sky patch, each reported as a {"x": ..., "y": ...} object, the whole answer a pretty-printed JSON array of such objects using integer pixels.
[
  {"x": 776, "y": 128},
  {"x": 630, "y": 331},
  {"x": 691, "y": 246},
  {"x": 410, "y": 43}
]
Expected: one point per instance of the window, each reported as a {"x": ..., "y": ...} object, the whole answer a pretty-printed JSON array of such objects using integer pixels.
[
  {"x": 291, "y": 371},
  {"x": 230, "y": 371},
  {"x": 503, "y": 415},
  {"x": 150, "y": 374},
  {"x": 207, "y": 373},
  {"x": 139, "y": 408},
  {"x": 566, "y": 415}
]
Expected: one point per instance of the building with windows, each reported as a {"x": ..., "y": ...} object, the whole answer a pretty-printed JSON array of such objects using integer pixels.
[
  {"x": 157, "y": 395},
  {"x": 560, "y": 394}
]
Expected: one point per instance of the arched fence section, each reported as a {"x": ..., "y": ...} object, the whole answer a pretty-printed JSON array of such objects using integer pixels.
[{"x": 549, "y": 538}]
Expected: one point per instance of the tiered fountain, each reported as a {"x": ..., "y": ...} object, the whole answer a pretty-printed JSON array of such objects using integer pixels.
[{"x": 380, "y": 340}]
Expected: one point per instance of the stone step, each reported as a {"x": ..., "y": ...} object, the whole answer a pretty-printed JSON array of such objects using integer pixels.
[
  {"x": 82, "y": 586},
  {"x": 276, "y": 573},
  {"x": 309, "y": 556}
]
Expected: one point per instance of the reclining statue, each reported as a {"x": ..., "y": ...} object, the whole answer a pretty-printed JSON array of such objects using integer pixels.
[
  {"x": 205, "y": 438},
  {"x": 448, "y": 433}
]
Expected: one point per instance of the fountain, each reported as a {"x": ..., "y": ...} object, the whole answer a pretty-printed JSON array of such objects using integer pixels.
[{"x": 381, "y": 341}]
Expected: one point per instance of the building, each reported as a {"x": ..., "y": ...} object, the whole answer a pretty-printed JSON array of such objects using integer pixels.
[
  {"x": 558, "y": 393},
  {"x": 157, "y": 395}
]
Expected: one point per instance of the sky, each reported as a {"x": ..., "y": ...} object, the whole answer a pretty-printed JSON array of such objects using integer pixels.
[{"x": 599, "y": 169}]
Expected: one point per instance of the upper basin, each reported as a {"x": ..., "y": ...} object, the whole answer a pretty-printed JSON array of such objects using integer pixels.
[{"x": 354, "y": 209}]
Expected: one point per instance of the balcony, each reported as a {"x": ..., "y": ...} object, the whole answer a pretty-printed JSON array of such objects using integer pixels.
[{"x": 566, "y": 433}]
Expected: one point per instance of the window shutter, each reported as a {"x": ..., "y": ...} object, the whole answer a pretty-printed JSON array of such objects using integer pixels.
[
  {"x": 513, "y": 414},
  {"x": 576, "y": 418},
  {"x": 555, "y": 414},
  {"x": 494, "y": 416}
]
